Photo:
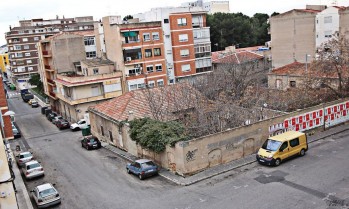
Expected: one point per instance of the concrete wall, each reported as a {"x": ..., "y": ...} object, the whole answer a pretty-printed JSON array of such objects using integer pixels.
[
  {"x": 67, "y": 50},
  {"x": 292, "y": 37},
  {"x": 344, "y": 23}
]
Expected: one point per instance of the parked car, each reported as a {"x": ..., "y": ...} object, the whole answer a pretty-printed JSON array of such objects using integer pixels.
[
  {"x": 24, "y": 157},
  {"x": 46, "y": 195},
  {"x": 57, "y": 118},
  {"x": 32, "y": 169},
  {"x": 15, "y": 131},
  {"x": 35, "y": 104},
  {"x": 62, "y": 124},
  {"x": 91, "y": 142},
  {"x": 78, "y": 125},
  {"x": 51, "y": 115},
  {"x": 142, "y": 168}
]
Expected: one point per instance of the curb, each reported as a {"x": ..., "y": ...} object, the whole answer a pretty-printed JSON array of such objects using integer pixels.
[{"x": 323, "y": 137}]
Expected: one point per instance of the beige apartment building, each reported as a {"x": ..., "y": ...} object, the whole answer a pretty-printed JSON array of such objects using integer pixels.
[
  {"x": 293, "y": 36},
  {"x": 72, "y": 79},
  {"x": 344, "y": 22}
]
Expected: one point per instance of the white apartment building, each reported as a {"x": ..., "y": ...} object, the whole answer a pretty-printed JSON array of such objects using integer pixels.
[
  {"x": 327, "y": 25},
  {"x": 210, "y": 7}
]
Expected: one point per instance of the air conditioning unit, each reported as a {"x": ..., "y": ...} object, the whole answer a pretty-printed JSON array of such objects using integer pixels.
[{"x": 128, "y": 59}]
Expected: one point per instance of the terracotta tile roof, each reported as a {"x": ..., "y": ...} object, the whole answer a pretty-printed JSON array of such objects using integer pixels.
[
  {"x": 295, "y": 68},
  {"x": 165, "y": 101},
  {"x": 237, "y": 57}
]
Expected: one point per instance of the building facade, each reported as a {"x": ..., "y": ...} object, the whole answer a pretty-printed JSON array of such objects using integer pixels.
[
  {"x": 22, "y": 40},
  {"x": 4, "y": 62},
  {"x": 293, "y": 37},
  {"x": 344, "y": 22},
  {"x": 210, "y": 6}
]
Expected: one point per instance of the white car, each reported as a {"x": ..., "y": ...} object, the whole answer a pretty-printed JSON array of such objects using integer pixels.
[
  {"x": 33, "y": 169},
  {"x": 24, "y": 157},
  {"x": 46, "y": 195},
  {"x": 77, "y": 126}
]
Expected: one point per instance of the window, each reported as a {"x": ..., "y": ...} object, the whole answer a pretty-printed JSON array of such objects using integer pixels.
[
  {"x": 166, "y": 21},
  {"x": 150, "y": 68},
  {"x": 157, "y": 52},
  {"x": 183, "y": 37},
  {"x": 18, "y": 55},
  {"x": 186, "y": 68},
  {"x": 156, "y": 36},
  {"x": 294, "y": 142},
  {"x": 141, "y": 85},
  {"x": 30, "y": 68},
  {"x": 27, "y": 54},
  {"x": 278, "y": 84},
  {"x": 328, "y": 19},
  {"x": 111, "y": 136},
  {"x": 171, "y": 81},
  {"x": 283, "y": 146},
  {"x": 95, "y": 71},
  {"x": 328, "y": 34},
  {"x": 182, "y": 21},
  {"x": 26, "y": 47},
  {"x": 293, "y": 84},
  {"x": 91, "y": 54},
  {"x": 151, "y": 84},
  {"x": 14, "y": 63},
  {"x": 36, "y": 38},
  {"x": 146, "y": 36},
  {"x": 25, "y": 39},
  {"x": 134, "y": 71},
  {"x": 29, "y": 61},
  {"x": 184, "y": 52},
  {"x": 167, "y": 36},
  {"x": 89, "y": 41},
  {"x": 160, "y": 82},
  {"x": 102, "y": 131},
  {"x": 18, "y": 47},
  {"x": 158, "y": 68},
  {"x": 148, "y": 53}
]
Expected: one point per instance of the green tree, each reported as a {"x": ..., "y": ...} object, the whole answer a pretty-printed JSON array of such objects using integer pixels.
[
  {"x": 155, "y": 135},
  {"x": 36, "y": 80}
]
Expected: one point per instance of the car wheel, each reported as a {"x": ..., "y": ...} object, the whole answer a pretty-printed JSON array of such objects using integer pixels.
[
  {"x": 128, "y": 171},
  {"x": 302, "y": 153},
  {"x": 140, "y": 177},
  {"x": 277, "y": 162},
  {"x": 87, "y": 147}
]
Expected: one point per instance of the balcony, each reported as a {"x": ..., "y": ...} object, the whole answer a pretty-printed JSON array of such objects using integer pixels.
[
  {"x": 78, "y": 80},
  {"x": 73, "y": 101},
  {"x": 201, "y": 35},
  {"x": 48, "y": 68},
  {"x": 46, "y": 54},
  {"x": 52, "y": 94},
  {"x": 51, "y": 82}
]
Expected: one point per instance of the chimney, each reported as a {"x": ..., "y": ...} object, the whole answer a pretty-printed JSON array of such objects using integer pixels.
[{"x": 130, "y": 115}]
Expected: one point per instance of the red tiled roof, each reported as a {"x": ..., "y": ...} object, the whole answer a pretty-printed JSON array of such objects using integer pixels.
[
  {"x": 295, "y": 68},
  {"x": 238, "y": 57},
  {"x": 163, "y": 101}
]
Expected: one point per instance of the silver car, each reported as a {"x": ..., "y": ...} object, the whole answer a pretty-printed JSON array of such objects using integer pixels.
[
  {"x": 24, "y": 157},
  {"x": 46, "y": 195},
  {"x": 33, "y": 169}
]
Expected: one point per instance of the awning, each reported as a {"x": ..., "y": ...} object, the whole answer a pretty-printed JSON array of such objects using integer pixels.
[{"x": 129, "y": 34}]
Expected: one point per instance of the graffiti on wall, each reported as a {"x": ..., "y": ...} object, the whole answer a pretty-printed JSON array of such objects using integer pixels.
[
  {"x": 191, "y": 155},
  {"x": 326, "y": 117}
]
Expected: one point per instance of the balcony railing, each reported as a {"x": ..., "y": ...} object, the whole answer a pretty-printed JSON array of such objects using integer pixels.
[
  {"x": 47, "y": 67},
  {"x": 51, "y": 82},
  {"x": 52, "y": 94},
  {"x": 81, "y": 80}
]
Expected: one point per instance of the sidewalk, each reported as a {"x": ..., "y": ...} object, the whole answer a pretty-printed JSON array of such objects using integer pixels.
[{"x": 220, "y": 169}]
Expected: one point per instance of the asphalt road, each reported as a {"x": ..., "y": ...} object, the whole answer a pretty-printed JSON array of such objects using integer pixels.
[{"x": 97, "y": 178}]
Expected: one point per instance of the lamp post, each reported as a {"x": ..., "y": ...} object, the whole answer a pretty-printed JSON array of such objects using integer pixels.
[{"x": 265, "y": 105}]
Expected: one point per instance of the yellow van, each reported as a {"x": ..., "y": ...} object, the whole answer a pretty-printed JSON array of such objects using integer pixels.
[{"x": 280, "y": 147}]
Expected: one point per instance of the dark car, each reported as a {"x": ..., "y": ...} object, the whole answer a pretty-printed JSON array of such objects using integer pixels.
[
  {"x": 15, "y": 131},
  {"x": 62, "y": 124},
  {"x": 34, "y": 104},
  {"x": 91, "y": 142},
  {"x": 142, "y": 168},
  {"x": 51, "y": 115}
]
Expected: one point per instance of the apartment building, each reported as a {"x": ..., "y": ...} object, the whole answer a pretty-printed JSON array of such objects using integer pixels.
[
  {"x": 98, "y": 81},
  {"x": 210, "y": 7},
  {"x": 138, "y": 50},
  {"x": 296, "y": 34},
  {"x": 186, "y": 38},
  {"x": 344, "y": 22},
  {"x": 4, "y": 62},
  {"x": 293, "y": 36},
  {"x": 22, "y": 40}
]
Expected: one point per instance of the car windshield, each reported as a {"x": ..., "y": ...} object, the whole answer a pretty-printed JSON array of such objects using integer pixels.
[
  {"x": 25, "y": 155},
  {"x": 91, "y": 140},
  {"x": 47, "y": 192},
  {"x": 14, "y": 130},
  {"x": 31, "y": 166},
  {"x": 148, "y": 164},
  {"x": 271, "y": 145}
]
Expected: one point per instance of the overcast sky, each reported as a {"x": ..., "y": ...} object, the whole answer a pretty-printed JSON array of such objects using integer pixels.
[{"x": 15, "y": 10}]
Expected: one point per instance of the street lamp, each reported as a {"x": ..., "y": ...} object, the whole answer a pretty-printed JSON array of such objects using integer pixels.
[
  {"x": 306, "y": 63},
  {"x": 265, "y": 105}
]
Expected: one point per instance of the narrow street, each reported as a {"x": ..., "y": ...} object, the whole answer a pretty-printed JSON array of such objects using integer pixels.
[{"x": 98, "y": 179}]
